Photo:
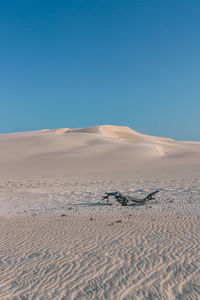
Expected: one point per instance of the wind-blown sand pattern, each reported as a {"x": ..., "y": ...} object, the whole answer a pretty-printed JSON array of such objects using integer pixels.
[{"x": 59, "y": 240}]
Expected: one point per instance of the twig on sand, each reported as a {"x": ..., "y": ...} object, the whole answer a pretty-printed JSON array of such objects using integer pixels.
[{"x": 123, "y": 199}]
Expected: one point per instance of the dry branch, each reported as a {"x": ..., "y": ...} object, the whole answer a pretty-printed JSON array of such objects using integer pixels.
[{"x": 123, "y": 200}]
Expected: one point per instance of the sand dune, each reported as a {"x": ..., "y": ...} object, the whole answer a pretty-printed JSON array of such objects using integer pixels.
[
  {"x": 100, "y": 148},
  {"x": 59, "y": 240}
]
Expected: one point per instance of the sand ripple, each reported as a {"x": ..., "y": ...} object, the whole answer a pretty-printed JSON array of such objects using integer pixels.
[{"x": 74, "y": 257}]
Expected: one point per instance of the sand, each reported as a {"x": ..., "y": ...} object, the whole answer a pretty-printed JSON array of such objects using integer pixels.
[{"x": 59, "y": 240}]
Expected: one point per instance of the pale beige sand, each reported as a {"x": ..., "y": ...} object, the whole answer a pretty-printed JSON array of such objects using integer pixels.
[
  {"x": 54, "y": 153},
  {"x": 97, "y": 250}
]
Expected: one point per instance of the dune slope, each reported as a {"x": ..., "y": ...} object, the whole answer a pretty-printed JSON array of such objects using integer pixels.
[{"x": 99, "y": 148}]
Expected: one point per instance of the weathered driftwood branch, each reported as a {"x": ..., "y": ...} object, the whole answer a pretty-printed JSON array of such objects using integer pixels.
[
  {"x": 108, "y": 195},
  {"x": 123, "y": 200}
]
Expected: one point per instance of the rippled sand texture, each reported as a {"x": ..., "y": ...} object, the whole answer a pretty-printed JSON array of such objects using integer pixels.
[{"x": 70, "y": 246}]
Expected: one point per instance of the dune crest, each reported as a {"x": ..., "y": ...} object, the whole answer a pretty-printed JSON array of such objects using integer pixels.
[
  {"x": 110, "y": 131},
  {"x": 61, "y": 130},
  {"x": 118, "y": 132}
]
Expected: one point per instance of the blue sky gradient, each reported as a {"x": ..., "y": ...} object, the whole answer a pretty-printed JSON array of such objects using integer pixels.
[{"x": 84, "y": 63}]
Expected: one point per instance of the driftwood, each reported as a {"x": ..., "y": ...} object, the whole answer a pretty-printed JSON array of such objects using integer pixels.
[{"x": 123, "y": 200}]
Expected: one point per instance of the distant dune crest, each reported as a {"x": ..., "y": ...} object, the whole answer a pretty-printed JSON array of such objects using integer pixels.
[
  {"x": 110, "y": 131},
  {"x": 62, "y": 130},
  {"x": 121, "y": 133},
  {"x": 118, "y": 132}
]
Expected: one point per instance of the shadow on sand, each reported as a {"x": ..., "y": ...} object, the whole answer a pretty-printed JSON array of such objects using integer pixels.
[
  {"x": 107, "y": 204},
  {"x": 94, "y": 204}
]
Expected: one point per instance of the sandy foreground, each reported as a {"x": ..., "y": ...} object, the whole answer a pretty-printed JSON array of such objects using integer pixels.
[{"x": 59, "y": 240}]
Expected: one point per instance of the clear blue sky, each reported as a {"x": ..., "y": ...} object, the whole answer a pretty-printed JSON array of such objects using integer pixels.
[{"x": 88, "y": 62}]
